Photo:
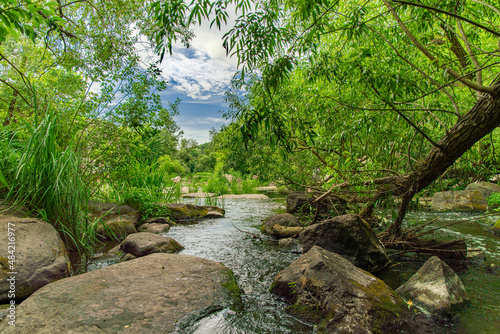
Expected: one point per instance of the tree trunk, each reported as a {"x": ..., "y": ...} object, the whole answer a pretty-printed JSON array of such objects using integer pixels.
[
  {"x": 480, "y": 121},
  {"x": 12, "y": 107}
]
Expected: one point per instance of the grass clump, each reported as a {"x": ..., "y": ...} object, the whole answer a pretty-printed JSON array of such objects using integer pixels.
[{"x": 47, "y": 180}]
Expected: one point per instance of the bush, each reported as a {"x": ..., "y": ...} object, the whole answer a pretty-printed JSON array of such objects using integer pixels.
[{"x": 494, "y": 201}]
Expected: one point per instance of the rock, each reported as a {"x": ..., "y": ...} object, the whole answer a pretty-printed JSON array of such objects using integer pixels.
[
  {"x": 128, "y": 257},
  {"x": 145, "y": 243},
  {"x": 146, "y": 295},
  {"x": 197, "y": 195},
  {"x": 117, "y": 228},
  {"x": 462, "y": 200},
  {"x": 302, "y": 203},
  {"x": 110, "y": 210},
  {"x": 279, "y": 225},
  {"x": 496, "y": 228},
  {"x": 244, "y": 196},
  {"x": 349, "y": 236},
  {"x": 117, "y": 221},
  {"x": 291, "y": 245},
  {"x": 185, "y": 212},
  {"x": 158, "y": 220},
  {"x": 255, "y": 177},
  {"x": 436, "y": 288},
  {"x": 326, "y": 289},
  {"x": 177, "y": 179},
  {"x": 229, "y": 177},
  {"x": 154, "y": 228},
  {"x": 40, "y": 256},
  {"x": 487, "y": 188}
]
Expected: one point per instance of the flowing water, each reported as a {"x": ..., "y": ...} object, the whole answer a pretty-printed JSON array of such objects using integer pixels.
[{"x": 256, "y": 263}]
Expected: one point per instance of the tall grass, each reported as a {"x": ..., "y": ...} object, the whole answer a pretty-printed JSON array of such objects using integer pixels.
[{"x": 47, "y": 180}]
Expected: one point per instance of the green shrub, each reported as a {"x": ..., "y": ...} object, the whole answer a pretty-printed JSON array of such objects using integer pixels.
[{"x": 494, "y": 201}]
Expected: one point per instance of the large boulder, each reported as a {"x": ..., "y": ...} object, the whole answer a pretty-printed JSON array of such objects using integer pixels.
[
  {"x": 328, "y": 290},
  {"x": 180, "y": 212},
  {"x": 145, "y": 295},
  {"x": 39, "y": 253},
  {"x": 487, "y": 188},
  {"x": 436, "y": 288},
  {"x": 302, "y": 203},
  {"x": 349, "y": 236},
  {"x": 145, "y": 243},
  {"x": 462, "y": 200},
  {"x": 284, "y": 225}
]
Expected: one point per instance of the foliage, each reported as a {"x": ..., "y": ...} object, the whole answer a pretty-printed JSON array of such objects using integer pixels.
[
  {"x": 48, "y": 181},
  {"x": 143, "y": 201},
  {"x": 494, "y": 201}
]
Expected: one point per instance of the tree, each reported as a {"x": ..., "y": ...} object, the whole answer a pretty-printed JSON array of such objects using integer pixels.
[{"x": 417, "y": 61}]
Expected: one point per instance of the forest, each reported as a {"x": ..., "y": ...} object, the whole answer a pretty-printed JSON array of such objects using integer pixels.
[{"x": 378, "y": 103}]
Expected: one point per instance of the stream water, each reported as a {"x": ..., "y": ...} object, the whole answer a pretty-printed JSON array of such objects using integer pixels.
[{"x": 256, "y": 263}]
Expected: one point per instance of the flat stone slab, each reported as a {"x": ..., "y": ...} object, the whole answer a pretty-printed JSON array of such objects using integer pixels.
[
  {"x": 145, "y": 295},
  {"x": 245, "y": 196}
]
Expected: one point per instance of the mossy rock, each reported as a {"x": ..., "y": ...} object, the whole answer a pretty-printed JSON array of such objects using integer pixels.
[
  {"x": 187, "y": 212},
  {"x": 338, "y": 297},
  {"x": 496, "y": 228}
]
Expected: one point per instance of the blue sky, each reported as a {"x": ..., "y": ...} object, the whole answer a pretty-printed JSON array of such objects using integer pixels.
[{"x": 199, "y": 76}]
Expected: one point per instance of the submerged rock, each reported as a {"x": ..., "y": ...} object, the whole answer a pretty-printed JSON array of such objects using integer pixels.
[
  {"x": 436, "y": 288},
  {"x": 291, "y": 245},
  {"x": 146, "y": 295},
  {"x": 145, "y": 243},
  {"x": 349, "y": 236},
  {"x": 284, "y": 225},
  {"x": 40, "y": 256},
  {"x": 463, "y": 200},
  {"x": 330, "y": 291}
]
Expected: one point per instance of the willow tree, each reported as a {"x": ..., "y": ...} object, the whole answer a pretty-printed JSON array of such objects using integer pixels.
[{"x": 419, "y": 61}]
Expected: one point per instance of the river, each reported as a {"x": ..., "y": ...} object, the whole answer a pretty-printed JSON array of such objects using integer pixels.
[{"x": 256, "y": 263}]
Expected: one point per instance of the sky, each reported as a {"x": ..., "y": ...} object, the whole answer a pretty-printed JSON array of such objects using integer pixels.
[{"x": 199, "y": 76}]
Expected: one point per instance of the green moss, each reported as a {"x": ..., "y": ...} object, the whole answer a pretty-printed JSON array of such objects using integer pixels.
[
  {"x": 388, "y": 307},
  {"x": 233, "y": 289},
  {"x": 4, "y": 263},
  {"x": 310, "y": 313}
]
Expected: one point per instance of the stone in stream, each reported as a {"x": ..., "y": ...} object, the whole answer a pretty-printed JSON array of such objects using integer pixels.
[
  {"x": 462, "y": 200},
  {"x": 187, "y": 212},
  {"x": 145, "y": 295},
  {"x": 436, "y": 288},
  {"x": 145, "y": 243},
  {"x": 284, "y": 225},
  {"x": 487, "y": 188},
  {"x": 326, "y": 289},
  {"x": 40, "y": 256},
  {"x": 349, "y": 236},
  {"x": 154, "y": 228}
]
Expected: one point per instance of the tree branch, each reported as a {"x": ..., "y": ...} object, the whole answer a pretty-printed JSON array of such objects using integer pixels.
[{"x": 413, "y": 39}]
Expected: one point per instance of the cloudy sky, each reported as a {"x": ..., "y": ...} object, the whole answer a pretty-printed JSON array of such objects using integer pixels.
[{"x": 199, "y": 76}]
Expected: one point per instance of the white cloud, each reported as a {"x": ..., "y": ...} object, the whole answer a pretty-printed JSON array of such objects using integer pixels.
[{"x": 197, "y": 75}]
